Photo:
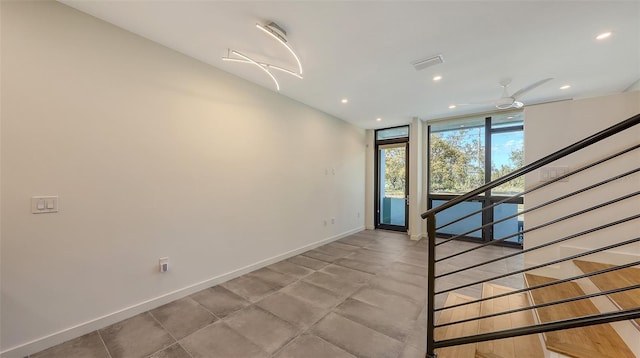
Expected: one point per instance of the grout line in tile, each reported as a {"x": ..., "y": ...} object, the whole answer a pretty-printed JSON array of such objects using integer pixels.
[
  {"x": 104, "y": 344},
  {"x": 257, "y": 344},
  {"x": 163, "y": 327},
  {"x": 205, "y": 308},
  {"x": 166, "y": 330},
  {"x": 307, "y": 329},
  {"x": 200, "y": 329},
  {"x": 328, "y": 311},
  {"x": 184, "y": 349},
  {"x": 161, "y": 349}
]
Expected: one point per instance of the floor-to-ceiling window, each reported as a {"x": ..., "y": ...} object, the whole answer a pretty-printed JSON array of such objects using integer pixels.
[
  {"x": 392, "y": 178},
  {"x": 466, "y": 153}
]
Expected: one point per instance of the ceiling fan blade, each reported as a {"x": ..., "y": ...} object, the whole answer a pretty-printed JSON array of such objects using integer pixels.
[
  {"x": 530, "y": 87},
  {"x": 482, "y": 103}
]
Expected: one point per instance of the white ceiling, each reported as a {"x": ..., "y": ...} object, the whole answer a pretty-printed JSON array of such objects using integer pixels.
[{"x": 363, "y": 50}]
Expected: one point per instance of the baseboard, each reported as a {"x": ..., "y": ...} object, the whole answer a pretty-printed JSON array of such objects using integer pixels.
[{"x": 64, "y": 335}]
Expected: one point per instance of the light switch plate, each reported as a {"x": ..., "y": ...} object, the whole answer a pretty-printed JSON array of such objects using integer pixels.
[
  {"x": 44, "y": 204},
  {"x": 550, "y": 173}
]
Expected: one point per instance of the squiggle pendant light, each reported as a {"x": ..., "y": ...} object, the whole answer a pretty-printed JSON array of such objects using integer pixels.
[{"x": 276, "y": 32}]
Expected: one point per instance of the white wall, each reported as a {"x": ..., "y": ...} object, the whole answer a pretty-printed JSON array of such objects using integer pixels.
[
  {"x": 152, "y": 154},
  {"x": 370, "y": 176},
  {"x": 553, "y": 126},
  {"x": 417, "y": 198}
]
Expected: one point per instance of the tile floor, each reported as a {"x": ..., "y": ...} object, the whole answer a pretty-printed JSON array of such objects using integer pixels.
[{"x": 361, "y": 296}]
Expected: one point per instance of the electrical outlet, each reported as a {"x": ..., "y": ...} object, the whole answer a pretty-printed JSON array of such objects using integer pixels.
[
  {"x": 333, "y": 221},
  {"x": 164, "y": 264}
]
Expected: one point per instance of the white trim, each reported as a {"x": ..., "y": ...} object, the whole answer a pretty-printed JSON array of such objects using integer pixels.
[{"x": 78, "y": 330}]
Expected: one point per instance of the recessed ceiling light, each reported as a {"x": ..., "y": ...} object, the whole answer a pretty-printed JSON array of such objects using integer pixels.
[
  {"x": 452, "y": 106},
  {"x": 344, "y": 100},
  {"x": 378, "y": 119},
  {"x": 437, "y": 78},
  {"x": 565, "y": 87},
  {"x": 603, "y": 35},
  {"x": 510, "y": 117}
]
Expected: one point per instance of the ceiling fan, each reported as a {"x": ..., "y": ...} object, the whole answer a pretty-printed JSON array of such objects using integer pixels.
[{"x": 510, "y": 101}]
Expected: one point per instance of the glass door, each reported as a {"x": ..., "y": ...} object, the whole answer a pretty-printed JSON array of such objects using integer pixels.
[{"x": 392, "y": 190}]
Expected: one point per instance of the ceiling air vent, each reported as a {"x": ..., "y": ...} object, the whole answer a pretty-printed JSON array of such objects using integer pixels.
[{"x": 427, "y": 62}]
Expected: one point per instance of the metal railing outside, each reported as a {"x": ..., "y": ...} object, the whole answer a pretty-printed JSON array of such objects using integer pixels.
[{"x": 433, "y": 245}]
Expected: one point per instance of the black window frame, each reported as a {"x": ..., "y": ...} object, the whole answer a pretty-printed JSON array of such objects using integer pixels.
[
  {"x": 377, "y": 144},
  {"x": 488, "y": 198}
]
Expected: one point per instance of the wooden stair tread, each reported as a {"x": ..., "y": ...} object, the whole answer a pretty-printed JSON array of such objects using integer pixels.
[
  {"x": 457, "y": 330},
  {"x": 523, "y": 346},
  {"x": 590, "y": 341},
  {"x": 626, "y": 277},
  {"x": 486, "y": 355}
]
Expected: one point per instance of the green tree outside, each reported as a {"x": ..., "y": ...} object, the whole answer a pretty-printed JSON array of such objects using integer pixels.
[
  {"x": 394, "y": 173},
  {"x": 457, "y": 163}
]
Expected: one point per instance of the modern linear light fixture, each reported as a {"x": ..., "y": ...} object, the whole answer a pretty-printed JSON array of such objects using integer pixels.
[{"x": 276, "y": 32}]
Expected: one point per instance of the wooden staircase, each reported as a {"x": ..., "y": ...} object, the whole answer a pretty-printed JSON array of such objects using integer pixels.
[
  {"x": 524, "y": 346},
  {"x": 584, "y": 342},
  {"x": 612, "y": 280},
  {"x": 457, "y": 330},
  {"x": 600, "y": 341}
]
